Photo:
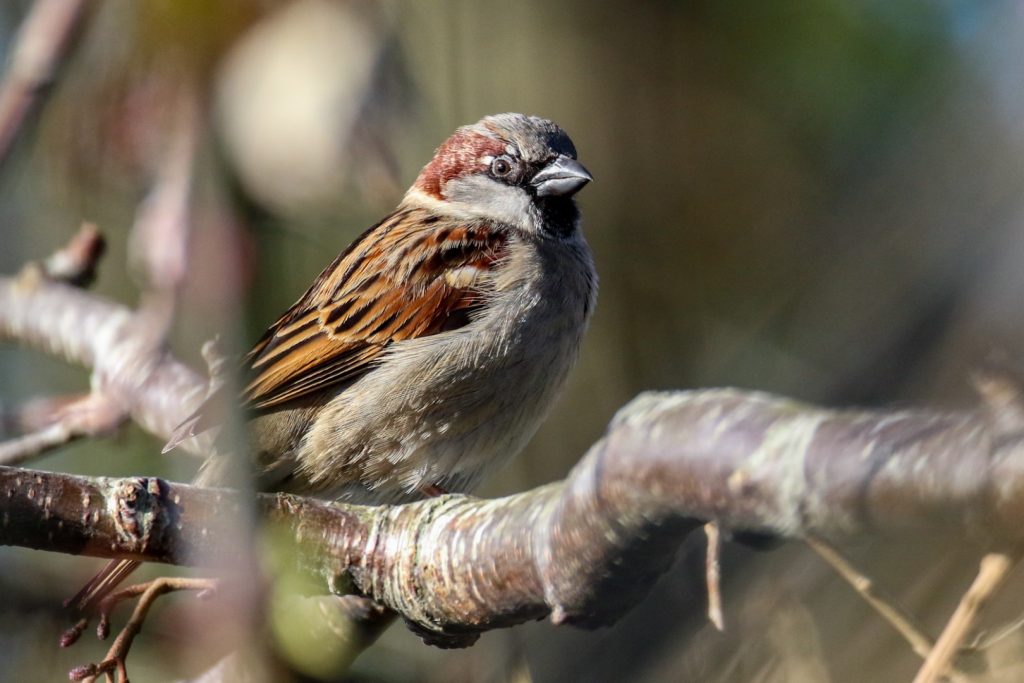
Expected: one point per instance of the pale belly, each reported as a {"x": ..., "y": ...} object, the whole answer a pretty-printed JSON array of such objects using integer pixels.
[{"x": 418, "y": 422}]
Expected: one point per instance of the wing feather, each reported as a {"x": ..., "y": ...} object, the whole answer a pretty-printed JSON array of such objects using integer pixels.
[
  {"x": 390, "y": 285},
  {"x": 412, "y": 275}
]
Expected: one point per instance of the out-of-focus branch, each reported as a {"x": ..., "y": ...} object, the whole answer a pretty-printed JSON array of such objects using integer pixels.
[
  {"x": 583, "y": 550},
  {"x": 158, "y": 243},
  {"x": 90, "y": 415},
  {"x": 75, "y": 263},
  {"x": 994, "y": 570},
  {"x": 84, "y": 329},
  {"x": 41, "y": 47},
  {"x": 885, "y": 605},
  {"x": 124, "y": 348},
  {"x": 44, "y": 424}
]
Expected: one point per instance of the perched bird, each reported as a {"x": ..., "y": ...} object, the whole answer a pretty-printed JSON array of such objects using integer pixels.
[{"x": 429, "y": 351}]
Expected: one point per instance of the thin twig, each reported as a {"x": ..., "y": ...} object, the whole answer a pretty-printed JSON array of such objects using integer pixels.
[
  {"x": 994, "y": 569},
  {"x": 713, "y": 572},
  {"x": 158, "y": 243},
  {"x": 885, "y": 605},
  {"x": 89, "y": 416},
  {"x": 42, "y": 45},
  {"x": 34, "y": 414},
  {"x": 986, "y": 639},
  {"x": 20, "y": 449},
  {"x": 148, "y": 592}
]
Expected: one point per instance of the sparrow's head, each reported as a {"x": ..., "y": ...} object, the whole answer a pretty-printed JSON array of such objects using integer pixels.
[{"x": 517, "y": 170}]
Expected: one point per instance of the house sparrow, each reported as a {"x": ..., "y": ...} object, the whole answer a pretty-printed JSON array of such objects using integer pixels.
[{"x": 429, "y": 351}]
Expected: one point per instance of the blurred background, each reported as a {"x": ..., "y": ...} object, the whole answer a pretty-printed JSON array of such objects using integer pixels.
[{"x": 817, "y": 199}]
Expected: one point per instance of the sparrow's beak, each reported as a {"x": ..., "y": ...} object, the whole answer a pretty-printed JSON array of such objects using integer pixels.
[{"x": 563, "y": 177}]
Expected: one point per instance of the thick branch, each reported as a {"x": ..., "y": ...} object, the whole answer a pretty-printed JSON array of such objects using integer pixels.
[
  {"x": 586, "y": 549},
  {"x": 754, "y": 461}
]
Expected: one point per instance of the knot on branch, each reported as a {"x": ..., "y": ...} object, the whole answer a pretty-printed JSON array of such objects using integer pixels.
[{"x": 141, "y": 512}]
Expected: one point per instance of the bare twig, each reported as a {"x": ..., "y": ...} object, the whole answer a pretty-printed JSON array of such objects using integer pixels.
[
  {"x": 92, "y": 415},
  {"x": 42, "y": 45},
  {"x": 583, "y": 550},
  {"x": 713, "y": 573},
  {"x": 22, "y": 448},
  {"x": 147, "y": 593},
  {"x": 73, "y": 633},
  {"x": 994, "y": 569},
  {"x": 986, "y": 639},
  {"x": 35, "y": 414},
  {"x": 886, "y": 606},
  {"x": 158, "y": 243},
  {"x": 160, "y": 236}
]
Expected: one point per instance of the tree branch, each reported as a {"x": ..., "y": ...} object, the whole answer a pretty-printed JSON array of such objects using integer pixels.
[
  {"x": 43, "y": 43},
  {"x": 586, "y": 549},
  {"x": 994, "y": 570},
  {"x": 90, "y": 415},
  {"x": 88, "y": 330}
]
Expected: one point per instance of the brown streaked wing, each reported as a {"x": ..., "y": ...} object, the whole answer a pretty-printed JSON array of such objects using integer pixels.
[{"x": 388, "y": 286}]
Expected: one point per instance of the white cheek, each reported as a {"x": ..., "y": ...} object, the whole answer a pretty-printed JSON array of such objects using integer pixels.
[{"x": 487, "y": 198}]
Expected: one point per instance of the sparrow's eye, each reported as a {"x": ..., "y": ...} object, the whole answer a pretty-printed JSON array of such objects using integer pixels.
[{"x": 501, "y": 167}]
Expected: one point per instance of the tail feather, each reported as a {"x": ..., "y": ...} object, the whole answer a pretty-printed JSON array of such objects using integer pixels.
[{"x": 101, "y": 585}]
